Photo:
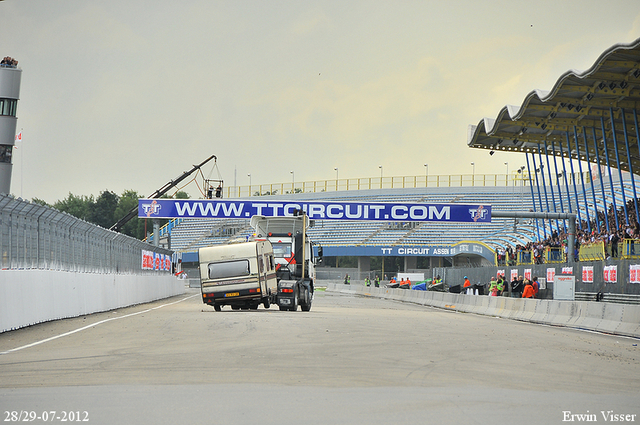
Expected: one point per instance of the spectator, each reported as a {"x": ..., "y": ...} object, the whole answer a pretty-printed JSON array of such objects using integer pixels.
[
  {"x": 528, "y": 290},
  {"x": 493, "y": 287},
  {"x": 535, "y": 287},
  {"x": 500, "y": 285},
  {"x": 517, "y": 286}
]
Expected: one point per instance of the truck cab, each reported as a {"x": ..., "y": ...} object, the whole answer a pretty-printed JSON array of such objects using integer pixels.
[{"x": 293, "y": 252}]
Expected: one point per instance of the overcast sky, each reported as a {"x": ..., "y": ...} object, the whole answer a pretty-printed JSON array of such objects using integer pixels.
[{"x": 127, "y": 94}]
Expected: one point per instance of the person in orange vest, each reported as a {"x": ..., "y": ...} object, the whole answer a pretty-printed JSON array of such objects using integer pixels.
[
  {"x": 528, "y": 290},
  {"x": 467, "y": 283},
  {"x": 535, "y": 286}
]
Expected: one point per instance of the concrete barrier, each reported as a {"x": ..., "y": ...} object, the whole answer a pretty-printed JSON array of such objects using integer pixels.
[
  {"x": 561, "y": 313},
  {"x": 541, "y": 312},
  {"x": 630, "y": 323},
  {"x": 28, "y": 297},
  {"x": 619, "y": 319},
  {"x": 611, "y": 317},
  {"x": 526, "y": 310},
  {"x": 589, "y": 314}
]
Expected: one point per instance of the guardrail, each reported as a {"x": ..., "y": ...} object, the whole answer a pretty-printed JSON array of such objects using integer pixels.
[{"x": 397, "y": 182}]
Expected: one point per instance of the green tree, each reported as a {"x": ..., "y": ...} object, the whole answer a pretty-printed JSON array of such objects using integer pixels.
[
  {"x": 128, "y": 201},
  {"x": 77, "y": 206},
  {"x": 104, "y": 208},
  {"x": 40, "y": 202}
]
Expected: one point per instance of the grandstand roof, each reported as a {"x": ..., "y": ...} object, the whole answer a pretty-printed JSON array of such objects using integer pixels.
[{"x": 603, "y": 98}]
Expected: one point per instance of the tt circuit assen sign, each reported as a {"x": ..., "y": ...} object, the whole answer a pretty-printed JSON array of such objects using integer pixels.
[
  {"x": 458, "y": 249},
  {"x": 364, "y": 211}
]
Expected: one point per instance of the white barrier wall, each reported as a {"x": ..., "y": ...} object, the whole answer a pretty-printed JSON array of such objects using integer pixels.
[
  {"x": 28, "y": 297},
  {"x": 619, "y": 319}
]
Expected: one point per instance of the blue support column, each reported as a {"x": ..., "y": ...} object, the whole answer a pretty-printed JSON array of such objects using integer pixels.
[
  {"x": 533, "y": 198},
  {"x": 593, "y": 189},
  {"x": 553, "y": 196},
  {"x": 584, "y": 192},
  {"x": 635, "y": 121},
  {"x": 544, "y": 187},
  {"x": 535, "y": 167},
  {"x": 555, "y": 166},
  {"x": 613, "y": 193},
  {"x": 604, "y": 198},
  {"x": 573, "y": 180},
  {"x": 633, "y": 180},
  {"x": 566, "y": 182},
  {"x": 615, "y": 145}
]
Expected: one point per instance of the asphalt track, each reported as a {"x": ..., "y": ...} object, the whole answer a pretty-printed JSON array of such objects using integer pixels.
[{"x": 351, "y": 360}]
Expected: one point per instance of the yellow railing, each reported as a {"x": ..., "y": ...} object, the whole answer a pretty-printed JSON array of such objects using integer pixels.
[
  {"x": 630, "y": 249},
  {"x": 401, "y": 182},
  {"x": 592, "y": 252},
  {"x": 524, "y": 257},
  {"x": 554, "y": 255}
]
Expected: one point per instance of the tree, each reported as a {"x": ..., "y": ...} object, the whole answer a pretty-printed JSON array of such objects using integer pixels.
[
  {"x": 40, "y": 202},
  {"x": 77, "y": 206},
  {"x": 128, "y": 201},
  {"x": 103, "y": 210}
]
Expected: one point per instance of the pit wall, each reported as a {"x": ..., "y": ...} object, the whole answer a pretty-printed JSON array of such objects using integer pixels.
[
  {"x": 28, "y": 297},
  {"x": 618, "y": 319}
]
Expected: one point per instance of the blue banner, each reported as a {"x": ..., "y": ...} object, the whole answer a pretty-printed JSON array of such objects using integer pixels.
[
  {"x": 363, "y": 211},
  {"x": 461, "y": 248}
]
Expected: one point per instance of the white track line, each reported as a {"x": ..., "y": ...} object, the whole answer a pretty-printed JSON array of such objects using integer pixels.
[{"x": 92, "y": 325}]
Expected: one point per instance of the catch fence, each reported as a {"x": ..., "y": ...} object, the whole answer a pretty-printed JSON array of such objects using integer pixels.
[{"x": 34, "y": 236}]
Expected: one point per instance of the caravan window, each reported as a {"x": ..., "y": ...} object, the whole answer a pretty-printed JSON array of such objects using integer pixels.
[{"x": 228, "y": 269}]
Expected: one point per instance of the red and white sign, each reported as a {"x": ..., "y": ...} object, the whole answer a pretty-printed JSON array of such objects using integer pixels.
[
  {"x": 587, "y": 274},
  {"x": 155, "y": 261},
  {"x": 611, "y": 274},
  {"x": 551, "y": 273},
  {"x": 527, "y": 274},
  {"x": 634, "y": 273}
]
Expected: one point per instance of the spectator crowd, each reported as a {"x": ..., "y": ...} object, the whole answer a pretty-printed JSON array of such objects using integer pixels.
[{"x": 589, "y": 233}]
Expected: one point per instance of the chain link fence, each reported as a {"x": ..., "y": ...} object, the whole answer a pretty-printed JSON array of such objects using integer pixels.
[{"x": 33, "y": 236}]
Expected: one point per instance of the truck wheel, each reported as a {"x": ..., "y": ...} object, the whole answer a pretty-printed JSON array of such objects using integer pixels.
[
  {"x": 306, "y": 305},
  {"x": 217, "y": 307},
  {"x": 253, "y": 306},
  {"x": 266, "y": 303},
  {"x": 294, "y": 305},
  {"x": 235, "y": 307},
  {"x": 283, "y": 308}
]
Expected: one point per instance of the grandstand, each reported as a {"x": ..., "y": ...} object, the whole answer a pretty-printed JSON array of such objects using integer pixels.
[{"x": 192, "y": 233}]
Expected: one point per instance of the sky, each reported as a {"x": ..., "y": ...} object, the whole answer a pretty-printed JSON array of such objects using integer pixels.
[{"x": 128, "y": 94}]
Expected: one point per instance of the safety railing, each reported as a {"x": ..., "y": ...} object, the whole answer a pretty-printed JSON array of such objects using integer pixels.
[
  {"x": 554, "y": 255},
  {"x": 33, "y": 236},
  {"x": 630, "y": 249},
  {"x": 524, "y": 258},
  {"x": 398, "y": 182},
  {"x": 592, "y": 252}
]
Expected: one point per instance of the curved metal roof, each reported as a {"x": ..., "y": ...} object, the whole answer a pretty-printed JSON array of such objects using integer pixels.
[{"x": 605, "y": 98}]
